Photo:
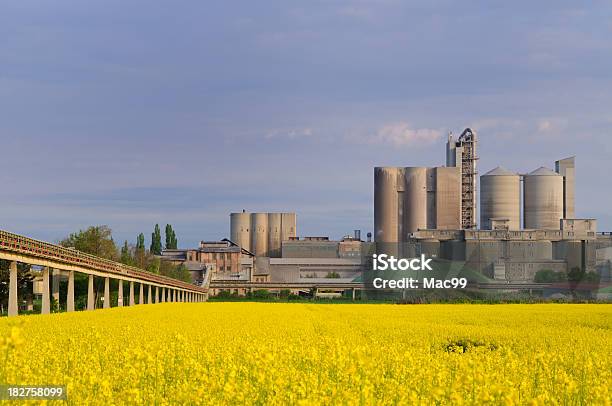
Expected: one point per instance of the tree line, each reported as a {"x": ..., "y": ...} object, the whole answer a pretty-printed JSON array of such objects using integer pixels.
[{"x": 98, "y": 240}]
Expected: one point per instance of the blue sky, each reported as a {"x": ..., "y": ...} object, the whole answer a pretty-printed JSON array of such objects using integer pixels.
[{"x": 135, "y": 113}]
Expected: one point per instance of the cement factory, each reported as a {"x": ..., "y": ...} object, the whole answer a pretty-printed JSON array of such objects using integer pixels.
[
  {"x": 433, "y": 211},
  {"x": 525, "y": 224}
]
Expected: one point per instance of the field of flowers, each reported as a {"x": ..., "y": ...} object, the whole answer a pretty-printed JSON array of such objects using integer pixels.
[{"x": 258, "y": 353}]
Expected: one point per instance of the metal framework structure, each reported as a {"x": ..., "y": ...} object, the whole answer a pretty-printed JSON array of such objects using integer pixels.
[
  {"x": 467, "y": 141},
  {"x": 28, "y": 247}
]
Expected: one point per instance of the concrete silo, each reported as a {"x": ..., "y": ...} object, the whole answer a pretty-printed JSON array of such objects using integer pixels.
[
  {"x": 415, "y": 205},
  {"x": 275, "y": 231},
  {"x": 387, "y": 203},
  {"x": 500, "y": 198},
  {"x": 543, "y": 199},
  {"x": 240, "y": 229},
  {"x": 259, "y": 234},
  {"x": 288, "y": 226}
]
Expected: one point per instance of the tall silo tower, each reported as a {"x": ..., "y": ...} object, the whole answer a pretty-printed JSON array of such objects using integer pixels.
[
  {"x": 275, "y": 231},
  {"x": 388, "y": 201},
  {"x": 259, "y": 234},
  {"x": 543, "y": 199},
  {"x": 240, "y": 229},
  {"x": 500, "y": 196}
]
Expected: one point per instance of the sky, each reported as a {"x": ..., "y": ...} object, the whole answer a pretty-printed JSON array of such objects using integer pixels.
[{"x": 132, "y": 113}]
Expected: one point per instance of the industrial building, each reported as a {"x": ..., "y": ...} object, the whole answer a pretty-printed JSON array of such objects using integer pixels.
[
  {"x": 415, "y": 198},
  {"x": 224, "y": 260},
  {"x": 262, "y": 233},
  {"x": 527, "y": 221}
]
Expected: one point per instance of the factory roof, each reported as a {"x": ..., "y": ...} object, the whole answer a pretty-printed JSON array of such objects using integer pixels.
[
  {"x": 315, "y": 261},
  {"x": 542, "y": 171},
  {"x": 499, "y": 171}
]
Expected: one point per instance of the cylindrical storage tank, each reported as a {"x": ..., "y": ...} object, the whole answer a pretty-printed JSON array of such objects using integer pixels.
[
  {"x": 500, "y": 198},
  {"x": 288, "y": 226},
  {"x": 415, "y": 199},
  {"x": 386, "y": 227},
  {"x": 259, "y": 234},
  {"x": 543, "y": 199},
  {"x": 275, "y": 231},
  {"x": 240, "y": 226}
]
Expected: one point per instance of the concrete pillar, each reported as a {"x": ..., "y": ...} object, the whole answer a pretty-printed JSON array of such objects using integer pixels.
[
  {"x": 150, "y": 295},
  {"x": 157, "y": 294},
  {"x": 70, "y": 293},
  {"x": 141, "y": 296},
  {"x": 46, "y": 304},
  {"x": 353, "y": 293},
  {"x": 173, "y": 295},
  {"x": 163, "y": 295},
  {"x": 90, "y": 294},
  {"x": 120, "y": 294},
  {"x": 13, "y": 306},
  {"x": 131, "y": 293},
  {"x": 55, "y": 282},
  {"x": 169, "y": 295},
  {"x": 106, "y": 292}
]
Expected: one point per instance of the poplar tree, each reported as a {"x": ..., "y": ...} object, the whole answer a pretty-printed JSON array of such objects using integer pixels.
[
  {"x": 156, "y": 244},
  {"x": 126, "y": 258},
  {"x": 171, "y": 241}
]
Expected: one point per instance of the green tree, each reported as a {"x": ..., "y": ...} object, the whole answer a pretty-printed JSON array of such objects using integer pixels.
[
  {"x": 140, "y": 252},
  {"x": 95, "y": 240},
  {"x": 179, "y": 272},
  {"x": 156, "y": 245},
  {"x": 549, "y": 276},
  {"x": 126, "y": 256},
  {"x": 171, "y": 241},
  {"x": 575, "y": 274},
  {"x": 24, "y": 281},
  {"x": 140, "y": 242},
  {"x": 154, "y": 265}
]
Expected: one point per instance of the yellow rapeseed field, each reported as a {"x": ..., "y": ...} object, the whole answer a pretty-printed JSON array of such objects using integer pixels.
[{"x": 256, "y": 353}]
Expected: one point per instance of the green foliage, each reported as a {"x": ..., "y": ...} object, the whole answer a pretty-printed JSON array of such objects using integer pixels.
[
  {"x": 591, "y": 277},
  {"x": 332, "y": 275},
  {"x": 575, "y": 274},
  {"x": 171, "y": 241},
  {"x": 549, "y": 276},
  {"x": 154, "y": 265},
  {"x": 24, "y": 281},
  {"x": 140, "y": 252},
  {"x": 179, "y": 272},
  {"x": 156, "y": 245},
  {"x": 261, "y": 294},
  {"x": 95, "y": 240},
  {"x": 140, "y": 242},
  {"x": 126, "y": 256}
]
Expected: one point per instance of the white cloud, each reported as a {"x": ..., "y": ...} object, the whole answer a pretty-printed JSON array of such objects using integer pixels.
[
  {"x": 549, "y": 126},
  {"x": 291, "y": 134},
  {"x": 402, "y": 134}
]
